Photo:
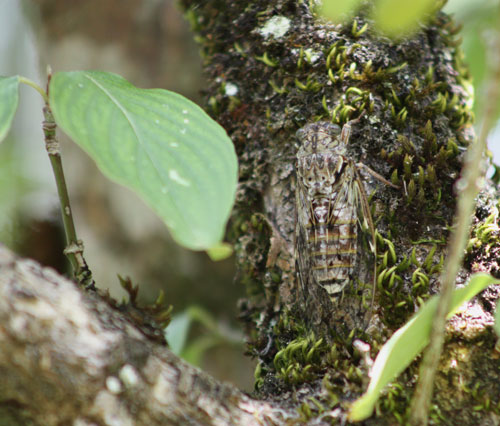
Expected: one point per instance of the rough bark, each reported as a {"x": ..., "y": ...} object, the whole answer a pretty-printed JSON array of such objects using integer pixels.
[
  {"x": 70, "y": 358},
  {"x": 274, "y": 67}
]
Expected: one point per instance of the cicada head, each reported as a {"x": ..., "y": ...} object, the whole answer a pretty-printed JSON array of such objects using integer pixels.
[
  {"x": 321, "y": 157},
  {"x": 319, "y": 137}
]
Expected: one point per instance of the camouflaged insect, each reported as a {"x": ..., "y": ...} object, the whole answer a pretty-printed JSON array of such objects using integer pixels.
[{"x": 331, "y": 205}]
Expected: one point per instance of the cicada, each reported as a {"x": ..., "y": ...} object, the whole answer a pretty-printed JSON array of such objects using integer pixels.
[{"x": 332, "y": 206}]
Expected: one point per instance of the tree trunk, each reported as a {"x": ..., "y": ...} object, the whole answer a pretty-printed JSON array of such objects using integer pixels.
[{"x": 274, "y": 68}]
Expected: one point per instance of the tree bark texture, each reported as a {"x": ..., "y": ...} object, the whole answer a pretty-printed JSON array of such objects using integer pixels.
[
  {"x": 273, "y": 68},
  {"x": 70, "y": 358}
]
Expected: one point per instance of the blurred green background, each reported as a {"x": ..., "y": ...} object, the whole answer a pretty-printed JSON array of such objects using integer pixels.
[{"x": 149, "y": 43}]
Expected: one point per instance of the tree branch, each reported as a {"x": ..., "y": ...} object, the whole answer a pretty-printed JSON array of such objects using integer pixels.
[{"x": 68, "y": 357}]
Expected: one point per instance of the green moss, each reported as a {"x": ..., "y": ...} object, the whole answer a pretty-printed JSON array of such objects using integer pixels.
[
  {"x": 309, "y": 86},
  {"x": 301, "y": 359},
  {"x": 266, "y": 59},
  {"x": 482, "y": 250},
  {"x": 356, "y": 33},
  {"x": 394, "y": 271}
]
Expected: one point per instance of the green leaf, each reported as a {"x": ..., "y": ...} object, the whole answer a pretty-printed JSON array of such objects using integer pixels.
[
  {"x": 496, "y": 326},
  {"x": 195, "y": 350},
  {"x": 9, "y": 99},
  {"x": 220, "y": 251},
  {"x": 177, "y": 331},
  {"x": 407, "y": 342},
  {"x": 204, "y": 317},
  {"x": 396, "y": 18},
  {"x": 338, "y": 10},
  {"x": 157, "y": 143}
]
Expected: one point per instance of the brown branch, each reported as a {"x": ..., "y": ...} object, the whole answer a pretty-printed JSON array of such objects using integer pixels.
[{"x": 68, "y": 357}]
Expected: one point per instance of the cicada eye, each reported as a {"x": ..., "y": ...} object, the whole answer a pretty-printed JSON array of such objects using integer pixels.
[
  {"x": 300, "y": 135},
  {"x": 334, "y": 129}
]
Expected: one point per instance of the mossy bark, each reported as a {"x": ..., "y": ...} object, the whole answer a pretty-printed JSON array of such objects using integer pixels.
[{"x": 273, "y": 67}]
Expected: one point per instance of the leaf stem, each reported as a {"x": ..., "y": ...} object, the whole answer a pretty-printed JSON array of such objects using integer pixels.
[
  {"x": 34, "y": 86},
  {"x": 468, "y": 187},
  {"x": 74, "y": 248}
]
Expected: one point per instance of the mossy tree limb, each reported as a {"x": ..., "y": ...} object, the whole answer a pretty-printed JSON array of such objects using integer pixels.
[{"x": 272, "y": 68}]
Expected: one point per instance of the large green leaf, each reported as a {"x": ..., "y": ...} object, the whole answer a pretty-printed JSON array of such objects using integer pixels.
[
  {"x": 156, "y": 142},
  {"x": 9, "y": 99},
  {"x": 406, "y": 343}
]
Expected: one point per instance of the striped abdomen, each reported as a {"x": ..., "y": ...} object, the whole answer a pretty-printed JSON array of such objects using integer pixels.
[{"x": 332, "y": 244}]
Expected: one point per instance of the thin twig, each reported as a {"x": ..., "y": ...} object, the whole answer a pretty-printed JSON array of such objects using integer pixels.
[
  {"x": 74, "y": 247},
  {"x": 468, "y": 187}
]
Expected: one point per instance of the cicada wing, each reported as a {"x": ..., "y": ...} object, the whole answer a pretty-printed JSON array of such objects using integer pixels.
[
  {"x": 367, "y": 229},
  {"x": 302, "y": 257},
  {"x": 343, "y": 220}
]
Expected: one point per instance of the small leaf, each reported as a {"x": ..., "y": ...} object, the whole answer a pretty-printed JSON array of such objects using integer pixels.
[
  {"x": 204, "y": 317},
  {"x": 9, "y": 99},
  {"x": 396, "y": 18},
  {"x": 338, "y": 10},
  {"x": 407, "y": 342},
  {"x": 177, "y": 331},
  {"x": 194, "y": 351},
  {"x": 220, "y": 251},
  {"x": 157, "y": 143},
  {"x": 496, "y": 326}
]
